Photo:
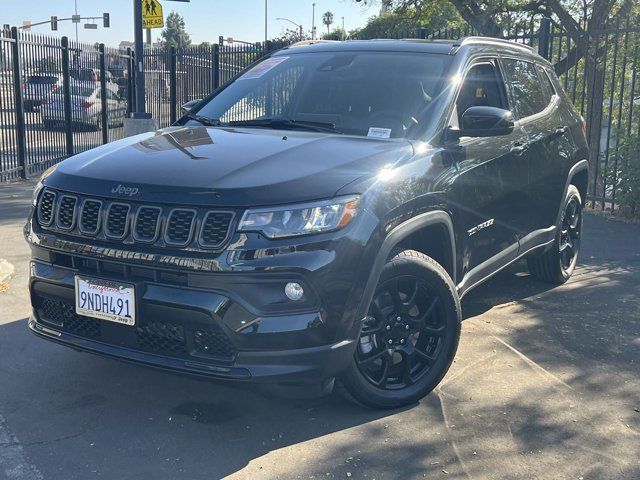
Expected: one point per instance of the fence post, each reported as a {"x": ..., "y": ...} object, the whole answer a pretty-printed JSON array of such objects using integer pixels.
[
  {"x": 215, "y": 62},
  {"x": 66, "y": 96},
  {"x": 104, "y": 120},
  {"x": 544, "y": 37},
  {"x": 173, "y": 79},
  {"x": 18, "y": 105},
  {"x": 130, "y": 84}
]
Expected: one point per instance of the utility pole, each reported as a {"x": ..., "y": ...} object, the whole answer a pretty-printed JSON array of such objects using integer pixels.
[
  {"x": 313, "y": 21},
  {"x": 266, "y": 7},
  {"x": 344, "y": 34},
  {"x": 139, "y": 111},
  {"x": 76, "y": 13}
]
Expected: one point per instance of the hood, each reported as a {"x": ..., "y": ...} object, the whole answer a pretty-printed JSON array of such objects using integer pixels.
[{"x": 226, "y": 166}]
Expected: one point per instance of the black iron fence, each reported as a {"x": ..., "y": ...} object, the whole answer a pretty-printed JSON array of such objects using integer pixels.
[{"x": 59, "y": 98}]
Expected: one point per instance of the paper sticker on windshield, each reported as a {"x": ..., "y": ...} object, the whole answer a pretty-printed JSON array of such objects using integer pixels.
[
  {"x": 379, "y": 132},
  {"x": 263, "y": 67}
]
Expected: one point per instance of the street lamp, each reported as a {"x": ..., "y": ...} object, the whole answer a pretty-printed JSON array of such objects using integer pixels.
[{"x": 291, "y": 21}]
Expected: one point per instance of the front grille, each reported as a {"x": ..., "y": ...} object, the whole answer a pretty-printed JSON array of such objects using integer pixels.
[
  {"x": 180, "y": 226},
  {"x": 147, "y": 223},
  {"x": 67, "y": 212},
  {"x": 90, "y": 216},
  {"x": 117, "y": 217},
  {"x": 163, "y": 338},
  {"x": 45, "y": 207},
  {"x": 131, "y": 222},
  {"x": 215, "y": 228}
]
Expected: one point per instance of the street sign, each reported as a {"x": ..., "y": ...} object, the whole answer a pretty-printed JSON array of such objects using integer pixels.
[
  {"x": 152, "y": 14},
  {"x": 91, "y": 26},
  {"x": 75, "y": 18}
]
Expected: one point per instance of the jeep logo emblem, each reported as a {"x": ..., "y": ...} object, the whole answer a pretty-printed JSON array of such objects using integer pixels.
[{"x": 125, "y": 190}]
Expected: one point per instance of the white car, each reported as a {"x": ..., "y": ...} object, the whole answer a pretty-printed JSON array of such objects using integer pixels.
[{"x": 86, "y": 107}]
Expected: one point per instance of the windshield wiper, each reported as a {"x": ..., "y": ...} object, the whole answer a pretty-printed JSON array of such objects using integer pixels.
[
  {"x": 210, "y": 122},
  {"x": 284, "y": 122}
]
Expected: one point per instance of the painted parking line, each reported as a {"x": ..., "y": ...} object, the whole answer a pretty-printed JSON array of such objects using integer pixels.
[{"x": 13, "y": 462}]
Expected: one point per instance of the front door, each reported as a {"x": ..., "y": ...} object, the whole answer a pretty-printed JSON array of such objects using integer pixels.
[{"x": 487, "y": 189}]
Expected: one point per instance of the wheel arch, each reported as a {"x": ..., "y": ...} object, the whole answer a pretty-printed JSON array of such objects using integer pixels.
[
  {"x": 579, "y": 177},
  {"x": 436, "y": 226}
]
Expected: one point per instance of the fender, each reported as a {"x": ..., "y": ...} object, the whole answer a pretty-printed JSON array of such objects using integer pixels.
[
  {"x": 575, "y": 169},
  {"x": 402, "y": 231}
]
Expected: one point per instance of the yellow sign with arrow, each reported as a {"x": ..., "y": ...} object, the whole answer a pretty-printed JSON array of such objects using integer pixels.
[{"x": 152, "y": 14}]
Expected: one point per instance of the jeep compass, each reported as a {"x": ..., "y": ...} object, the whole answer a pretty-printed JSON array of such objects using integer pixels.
[{"x": 317, "y": 218}]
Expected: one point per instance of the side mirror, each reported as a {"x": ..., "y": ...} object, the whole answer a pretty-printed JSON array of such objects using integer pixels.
[
  {"x": 186, "y": 107},
  {"x": 486, "y": 122}
]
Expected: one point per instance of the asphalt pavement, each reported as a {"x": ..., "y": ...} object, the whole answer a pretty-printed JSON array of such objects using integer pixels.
[{"x": 545, "y": 385}]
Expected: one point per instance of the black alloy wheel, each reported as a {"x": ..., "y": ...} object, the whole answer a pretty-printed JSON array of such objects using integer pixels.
[
  {"x": 410, "y": 334},
  {"x": 570, "y": 234}
]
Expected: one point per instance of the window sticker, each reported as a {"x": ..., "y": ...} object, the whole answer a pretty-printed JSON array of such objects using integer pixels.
[
  {"x": 263, "y": 67},
  {"x": 379, "y": 132}
]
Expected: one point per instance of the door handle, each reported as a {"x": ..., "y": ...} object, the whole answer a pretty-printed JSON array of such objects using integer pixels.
[
  {"x": 518, "y": 148},
  {"x": 561, "y": 130}
]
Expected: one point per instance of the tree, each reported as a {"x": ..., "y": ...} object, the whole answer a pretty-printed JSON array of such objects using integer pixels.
[
  {"x": 175, "y": 33},
  {"x": 335, "y": 34},
  {"x": 327, "y": 19}
]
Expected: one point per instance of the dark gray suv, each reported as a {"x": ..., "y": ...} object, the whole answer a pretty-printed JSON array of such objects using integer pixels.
[{"x": 318, "y": 217}]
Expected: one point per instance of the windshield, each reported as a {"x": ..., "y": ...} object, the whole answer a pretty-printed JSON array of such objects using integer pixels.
[{"x": 381, "y": 94}]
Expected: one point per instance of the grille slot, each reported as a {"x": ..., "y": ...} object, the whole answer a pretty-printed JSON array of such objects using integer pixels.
[
  {"x": 117, "y": 217},
  {"x": 45, "y": 208},
  {"x": 216, "y": 344},
  {"x": 90, "y": 217},
  {"x": 180, "y": 226},
  {"x": 215, "y": 228},
  {"x": 162, "y": 337},
  {"x": 147, "y": 224},
  {"x": 67, "y": 212}
]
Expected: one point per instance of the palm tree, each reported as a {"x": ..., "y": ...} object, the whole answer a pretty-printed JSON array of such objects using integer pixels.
[{"x": 327, "y": 19}]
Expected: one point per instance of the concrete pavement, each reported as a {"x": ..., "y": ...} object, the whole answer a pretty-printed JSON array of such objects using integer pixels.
[{"x": 545, "y": 385}]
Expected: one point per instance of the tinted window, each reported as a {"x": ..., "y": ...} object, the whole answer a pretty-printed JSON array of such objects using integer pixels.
[
  {"x": 355, "y": 91},
  {"x": 482, "y": 86},
  {"x": 526, "y": 89},
  {"x": 42, "y": 80}
]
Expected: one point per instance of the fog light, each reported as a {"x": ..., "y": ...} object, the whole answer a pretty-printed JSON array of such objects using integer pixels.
[{"x": 293, "y": 291}]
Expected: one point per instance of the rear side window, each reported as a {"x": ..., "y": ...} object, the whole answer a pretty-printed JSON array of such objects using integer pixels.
[
  {"x": 547, "y": 85},
  {"x": 528, "y": 97}
]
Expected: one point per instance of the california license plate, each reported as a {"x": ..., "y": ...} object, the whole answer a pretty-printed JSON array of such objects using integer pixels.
[{"x": 106, "y": 300}]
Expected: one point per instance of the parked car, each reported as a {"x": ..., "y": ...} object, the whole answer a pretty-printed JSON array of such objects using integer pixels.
[
  {"x": 37, "y": 86},
  {"x": 90, "y": 75},
  {"x": 319, "y": 217},
  {"x": 86, "y": 107}
]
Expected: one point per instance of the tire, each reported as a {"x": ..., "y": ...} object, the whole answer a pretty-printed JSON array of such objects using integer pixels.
[
  {"x": 557, "y": 264},
  {"x": 413, "y": 334}
]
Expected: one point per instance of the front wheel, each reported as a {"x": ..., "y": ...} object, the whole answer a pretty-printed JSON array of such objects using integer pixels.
[
  {"x": 556, "y": 265},
  {"x": 409, "y": 336}
]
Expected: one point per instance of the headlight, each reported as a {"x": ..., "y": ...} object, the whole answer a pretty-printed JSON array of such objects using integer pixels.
[
  {"x": 301, "y": 219},
  {"x": 40, "y": 184}
]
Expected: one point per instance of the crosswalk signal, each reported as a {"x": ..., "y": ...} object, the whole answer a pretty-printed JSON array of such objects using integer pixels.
[
  {"x": 54, "y": 22},
  {"x": 105, "y": 20}
]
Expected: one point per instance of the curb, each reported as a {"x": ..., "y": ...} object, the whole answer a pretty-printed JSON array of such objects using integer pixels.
[{"x": 6, "y": 270}]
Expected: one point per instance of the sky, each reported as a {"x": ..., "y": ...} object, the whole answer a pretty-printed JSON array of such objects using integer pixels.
[{"x": 205, "y": 19}]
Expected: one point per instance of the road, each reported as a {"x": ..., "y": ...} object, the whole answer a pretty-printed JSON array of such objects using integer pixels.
[{"x": 545, "y": 385}]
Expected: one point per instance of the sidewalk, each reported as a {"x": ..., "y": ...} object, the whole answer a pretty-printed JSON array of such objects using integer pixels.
[{"x": 545, "y": 385}]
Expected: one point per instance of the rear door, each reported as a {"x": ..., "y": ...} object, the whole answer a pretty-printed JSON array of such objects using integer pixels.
[{"x": 490, "y": 175}]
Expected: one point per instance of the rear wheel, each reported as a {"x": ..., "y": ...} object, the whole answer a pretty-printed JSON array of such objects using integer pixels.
[
  {"x": 410, "y": 335},
  {"x": 556, "y": 265}
]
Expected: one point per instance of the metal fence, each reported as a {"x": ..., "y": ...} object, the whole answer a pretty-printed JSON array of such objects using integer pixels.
[{"x": 598, "y": 69}]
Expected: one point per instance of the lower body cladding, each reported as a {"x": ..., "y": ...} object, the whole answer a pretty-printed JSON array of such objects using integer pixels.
[{"x": 182, "y": 328}]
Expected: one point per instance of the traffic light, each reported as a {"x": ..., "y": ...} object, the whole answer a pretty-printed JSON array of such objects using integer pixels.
[
  {"x": 220, "y": 40},
  {"x": 54, "y": 22},
  {"x": 105, "y": 20}
]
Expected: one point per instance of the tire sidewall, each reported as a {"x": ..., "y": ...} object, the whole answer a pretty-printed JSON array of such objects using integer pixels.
[{"x": 572, "y": 192}]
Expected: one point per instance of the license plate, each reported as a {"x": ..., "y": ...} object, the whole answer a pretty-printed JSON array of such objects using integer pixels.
[{"x": 106, "y": 300}]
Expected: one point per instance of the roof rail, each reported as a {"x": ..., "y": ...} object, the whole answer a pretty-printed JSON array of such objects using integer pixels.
[
  {"x": 495, "y": 41},
  {"x": 302, "y": 43}
]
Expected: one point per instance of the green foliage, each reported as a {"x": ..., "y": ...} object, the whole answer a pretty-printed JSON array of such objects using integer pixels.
[
  {"x": 335, "y": 34},
  {"x": 175, "y": 33},
  {"x": 624, "y": 176},
  {"x": 435, "y": 15},
  {"x": 327, "y": 19}
]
